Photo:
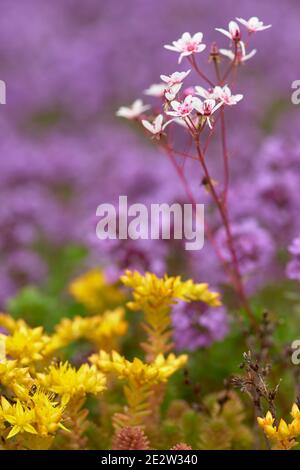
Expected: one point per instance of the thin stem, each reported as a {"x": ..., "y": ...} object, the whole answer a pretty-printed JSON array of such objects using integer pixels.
[
  {"x": 225, "y": 156},
  {"x": 199, "y": 71},
  {"x": 232, "y": 64},
  {"x": 208, "y": 230},
  {"x": 223, "y": 213}
]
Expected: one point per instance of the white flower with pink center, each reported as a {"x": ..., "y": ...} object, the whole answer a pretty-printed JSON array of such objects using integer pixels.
[
  {"x": 156, "y": 127},
  {"x": 233, "y": 32},
  {"x": 171, "y": 92},
  {"x": 174, "y": 78},
  {"x": 253, "y": 24},
  {"x": 204, "y": 93},
  {"x": 183, "y": 109},
  {"x": 187, "y": 45},
  {"x": 206, "y": 108},
  {"x": 156, "y": 89},
  {"x": 226, "y": 97},
  {"x": 135, "y": 110}
]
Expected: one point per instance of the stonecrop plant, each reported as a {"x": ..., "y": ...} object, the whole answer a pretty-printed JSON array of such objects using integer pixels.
[
  {"x": 44, "y": 396},
  {"x": 200, "y": 111}
]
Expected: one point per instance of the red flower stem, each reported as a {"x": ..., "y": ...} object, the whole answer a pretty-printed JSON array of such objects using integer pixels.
[
  {"x": 192, "y": 199},
  {"x": 225, "y": 156},
  {"x": 224, "y": 217},
  {"x": 232, "y": 64},
  {"x": 199, "y": 71}
]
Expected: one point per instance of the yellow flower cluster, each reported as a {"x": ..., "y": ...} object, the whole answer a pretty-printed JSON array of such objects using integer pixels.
[
  {"x": 101, "y": 330},
  {"x": 69, "y": 382},
  {"x": 155, "y": 297},
  {"x": 42, "y": 394},
  {"x": 143, "y": 382},
  {"x": 156, "y": 372},
  {"x": 284, "y": 436},
  {"x": 40, "y": 414},
  {"x": 151, "y": 293},
  {"x": 95, "y": 293}
]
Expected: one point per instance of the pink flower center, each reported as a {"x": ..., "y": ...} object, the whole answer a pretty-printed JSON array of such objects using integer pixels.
[{"x": 191, "y": 46}]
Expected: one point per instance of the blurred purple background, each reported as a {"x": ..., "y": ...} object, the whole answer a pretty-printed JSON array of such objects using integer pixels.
[{"x": 69, "y": 64}]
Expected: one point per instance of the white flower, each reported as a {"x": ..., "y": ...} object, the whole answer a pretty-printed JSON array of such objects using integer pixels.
[
  {"x": 241, "y": 55},
  {"x": 135, "y": 110},
  {"x": 253, "y": 24},
  {"x": 184, "y": 108},
  {"x": 224, "y": 94},
  {"x": 187, "y": 45},
  {"x": 233, "y": 32},
  {"x": 174, "y": 78},
  {"x": 207, "y": 108},
  {"x": 156, "y": 89},
  {"x": 206, "y": 94},
  {"x": 156, "y": 127},
  {"x": 171, "y": 92}
]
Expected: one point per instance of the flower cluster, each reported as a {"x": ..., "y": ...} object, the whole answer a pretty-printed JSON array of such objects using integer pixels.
[
  {"x": 155, "y": 297},
  {"x": 284, "y": 436}
]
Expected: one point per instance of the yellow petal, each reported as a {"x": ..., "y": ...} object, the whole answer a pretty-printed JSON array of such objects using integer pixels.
[
  {"x": 29, "y": 428},
  {"x": 15, "y": 430}
]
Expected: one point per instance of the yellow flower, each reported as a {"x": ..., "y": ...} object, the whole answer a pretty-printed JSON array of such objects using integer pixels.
[
  {"x": 284, "y": 435},
  {"x": 26, "y": 345},
  {"x": 18, "y": 417},
  {"x": 95, "y": 293},
  {"x": 151, "y": 293},
  {"x": 156, "y": 372},
  {"x": 102, "y": 330},
  {"x": 15, "y": 378},
  {"x": 48, "y": 413},
  {"x": 155, "y": 297},
  {"x": 69, "y": 382},
  {"x": 9, "y": 323}
]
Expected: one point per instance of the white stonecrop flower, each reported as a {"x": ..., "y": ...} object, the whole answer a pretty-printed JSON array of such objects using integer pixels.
[
  {"x": 253, "y": 24},
  {"x": 233, "y": 32},
  {"x": 207, "y": 108},
  {"x": 171, "y": 92},
  {"x": 135, "y": 110},
  {"x": 226, "y": 97},
  {"x": 175, "y": 78},
  {"x": 183, "y": 109},
  {"x": 206, "y": 94},
  {"x": 187, "y": 45},
  {"x": 241, "y": 55},
  {"x": 156, "y": 127},
  {"x": 156, "y": 89}
]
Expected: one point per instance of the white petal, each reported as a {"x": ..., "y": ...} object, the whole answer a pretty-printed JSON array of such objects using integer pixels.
[
  {"x": 227, "y": 53},
  {"x": 250, "y": 55},
  {"x": 165, "y": 78},
  {"x": 223, "y": 31},
  {"x": 233, "y": 27},
  {"x": 198, "y": 37},
  {"x": 238, "y": 97},
  {"x": 171, "y": 48},
  {"x": 186, "y": 36},
  {"x": 148, "y": 125},
  {"x": 242, "y": 21}
]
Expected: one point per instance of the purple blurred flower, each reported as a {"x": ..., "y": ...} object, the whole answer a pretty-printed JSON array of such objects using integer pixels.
[
  {"x": 197, "y": 325},
  {"x": 253, "y": 244},
  {"x": 293, "y": 267}
]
